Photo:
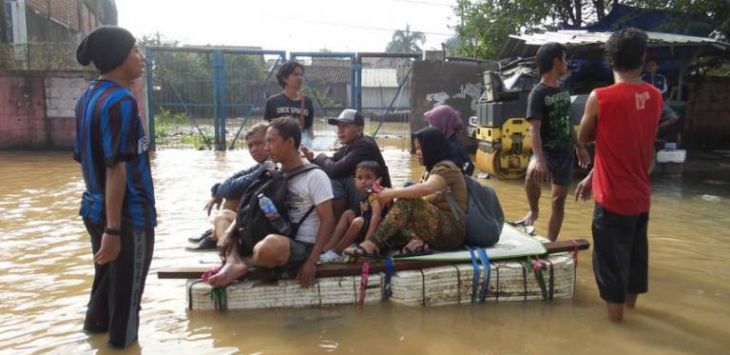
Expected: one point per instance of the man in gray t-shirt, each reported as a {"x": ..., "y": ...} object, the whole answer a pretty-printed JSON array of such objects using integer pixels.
[
  {"x": 307, "y": 190},
  {"x": 548, "y": 112}
]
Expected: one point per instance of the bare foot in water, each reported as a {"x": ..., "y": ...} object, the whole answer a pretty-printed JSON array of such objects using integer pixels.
[
  {"x": 529, "y": 219},
  {"x": 229, "y": 273}
]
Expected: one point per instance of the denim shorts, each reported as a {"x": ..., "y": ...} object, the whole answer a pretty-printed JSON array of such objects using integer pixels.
[
  {"x": 345, "y": 188},
  {"x": 560, "y": 166}
]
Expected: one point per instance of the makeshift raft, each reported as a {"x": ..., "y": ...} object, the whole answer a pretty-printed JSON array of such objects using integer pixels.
[{"x": 521, "y": 268}]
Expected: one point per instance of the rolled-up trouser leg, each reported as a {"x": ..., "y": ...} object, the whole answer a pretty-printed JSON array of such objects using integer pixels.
[{"x": 222, "y": 221}]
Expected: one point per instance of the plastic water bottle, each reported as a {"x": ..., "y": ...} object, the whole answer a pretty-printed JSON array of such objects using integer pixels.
[{"x": 269, "y": 209}]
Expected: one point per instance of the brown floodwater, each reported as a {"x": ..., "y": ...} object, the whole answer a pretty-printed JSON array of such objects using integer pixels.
[{"x": 47, "y": 272}]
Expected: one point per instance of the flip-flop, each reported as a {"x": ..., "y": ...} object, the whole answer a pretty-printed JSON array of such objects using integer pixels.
[
  {"x": 423, "y": 249},
  {"x": 519, "y": 223}
]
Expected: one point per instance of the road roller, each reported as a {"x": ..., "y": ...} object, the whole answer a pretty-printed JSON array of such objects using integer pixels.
[{"x": 502, "y": 133}]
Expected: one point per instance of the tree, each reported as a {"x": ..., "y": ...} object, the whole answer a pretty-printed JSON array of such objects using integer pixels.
[
  {"x": 406, "y": 41},
  {"x": 186, "y": 77},
  {"x": 485, "y": 25}
]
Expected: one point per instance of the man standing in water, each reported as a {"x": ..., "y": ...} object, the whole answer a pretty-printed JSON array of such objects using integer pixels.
[
  {"x": 118, "y": 206},
  {"x": 290, "y": 102},
  {"x": 622, "y": 120},
  {"x": 548, "y": 111}
]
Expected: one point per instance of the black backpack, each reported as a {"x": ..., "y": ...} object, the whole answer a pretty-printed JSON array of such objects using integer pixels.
[
  {"x": 252, "y": 225},
  {"x": 483, "y": 217}
]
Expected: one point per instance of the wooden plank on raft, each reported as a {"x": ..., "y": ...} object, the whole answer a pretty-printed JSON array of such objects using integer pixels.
[{"x": 354, "y": 269}]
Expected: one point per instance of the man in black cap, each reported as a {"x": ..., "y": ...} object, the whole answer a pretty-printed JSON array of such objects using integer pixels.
[
  {"x": 356, "y": 147},
  {"x": 118, "y": 205}
]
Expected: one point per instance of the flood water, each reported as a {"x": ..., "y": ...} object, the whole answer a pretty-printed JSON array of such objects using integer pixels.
[{"x": 47, "y": 272}]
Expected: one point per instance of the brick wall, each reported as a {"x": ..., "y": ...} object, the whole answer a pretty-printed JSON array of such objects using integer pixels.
[
  {"x": 37, "y": 108},
  {"x": 707, "y": 114},
  {"x": 40, "y": 6},
  {"x": 75, "y": 15}
]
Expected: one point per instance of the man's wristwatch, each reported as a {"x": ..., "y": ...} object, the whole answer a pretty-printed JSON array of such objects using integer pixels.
[{"x": 111, "y": 231}]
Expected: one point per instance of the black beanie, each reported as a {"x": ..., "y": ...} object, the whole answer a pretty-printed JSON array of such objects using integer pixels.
[{"x": 106, "y": 46}]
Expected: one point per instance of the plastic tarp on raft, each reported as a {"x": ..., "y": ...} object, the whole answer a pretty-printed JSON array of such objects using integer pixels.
[{"x": 508, "y": 279}]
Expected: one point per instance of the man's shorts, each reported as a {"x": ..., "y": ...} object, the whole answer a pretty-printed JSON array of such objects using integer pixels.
[
  {"x": 620, "y": 254},
  {"x": 560, "y": 166},
  {"x": 298, "y": 254},
  {"x": 345, "y": 188},
  {"x": 667, "y": 112}
]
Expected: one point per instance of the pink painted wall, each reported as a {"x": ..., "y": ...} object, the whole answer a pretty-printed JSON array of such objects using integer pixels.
[
  {"x": 36, "y": 108},
  {"x": 22, "y": 112}
]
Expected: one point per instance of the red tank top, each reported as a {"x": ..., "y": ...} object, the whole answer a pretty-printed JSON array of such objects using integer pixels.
[{"x": 626, "y": 127}]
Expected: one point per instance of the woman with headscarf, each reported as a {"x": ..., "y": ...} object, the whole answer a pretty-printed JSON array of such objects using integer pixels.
[
  {"x": 420, "y": 217},
  {"x": 118, "y": 204},
  {"x": 449, "y": 122}
]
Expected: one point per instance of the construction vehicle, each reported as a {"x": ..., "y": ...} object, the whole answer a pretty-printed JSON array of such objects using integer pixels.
[{"x": 500, "y": 128}]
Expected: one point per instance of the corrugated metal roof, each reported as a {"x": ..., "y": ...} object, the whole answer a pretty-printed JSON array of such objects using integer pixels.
[
  {"x": 581, "y": 38},
  {"x": 380, "y": 77},
  {"x": 578, "y": 37}
]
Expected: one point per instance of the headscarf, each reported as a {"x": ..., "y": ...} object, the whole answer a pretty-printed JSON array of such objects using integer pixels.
[
  {"x": 445, "y": 118},
  {"x": 434, "y": 146},
  {"x": 106, "y": 46}
]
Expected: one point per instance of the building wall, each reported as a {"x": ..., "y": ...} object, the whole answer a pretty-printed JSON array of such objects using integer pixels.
[
  {"x": 22, "y": 111},
  {"x": 37, "y": 108},
  {"x": 457, "y": 84},
  {"x": 707, "y": 114},
  {"x": 375, "y": 97}
]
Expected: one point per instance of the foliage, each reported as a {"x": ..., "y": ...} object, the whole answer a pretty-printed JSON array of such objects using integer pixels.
[
  {"x": 486, "y": 25},
  {"x": 184, "y": 79},
  {"x": 166, "y": 122},
  {"x": 406, "y": 41},
  {"x": 320, "y": 98}
]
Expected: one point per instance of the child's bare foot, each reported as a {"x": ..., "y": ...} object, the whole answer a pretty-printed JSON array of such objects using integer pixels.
[
  {"x": 228, "y": 274},
  {"x": 529, "y": 219}
]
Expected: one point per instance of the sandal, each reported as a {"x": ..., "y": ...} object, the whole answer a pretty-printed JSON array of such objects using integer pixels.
[{"x": 409, "y": 250}]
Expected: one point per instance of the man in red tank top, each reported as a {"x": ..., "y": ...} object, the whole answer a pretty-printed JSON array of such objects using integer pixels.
[{"x": 622, "y": 121}]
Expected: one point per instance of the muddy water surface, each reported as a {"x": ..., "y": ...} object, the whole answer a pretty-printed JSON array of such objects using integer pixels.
[{"x": 46, "y": 274}]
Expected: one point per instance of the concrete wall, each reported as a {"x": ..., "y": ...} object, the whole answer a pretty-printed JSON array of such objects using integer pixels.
[
  {"x": 22, "y": 116},
  {"x": 41, "y": 28},
  {"x": 457, "y": 84},
  {"x": 37, "y": 108},
  {"x": 381, "y": 97},
  {"x": 707, "y": 114}
]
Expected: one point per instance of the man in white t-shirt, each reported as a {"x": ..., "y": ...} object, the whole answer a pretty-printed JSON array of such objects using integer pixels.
[{"x": 312, "y": 188}]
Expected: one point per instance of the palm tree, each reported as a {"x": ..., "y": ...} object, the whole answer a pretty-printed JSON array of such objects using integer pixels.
[{"x": 406, "y": 41}]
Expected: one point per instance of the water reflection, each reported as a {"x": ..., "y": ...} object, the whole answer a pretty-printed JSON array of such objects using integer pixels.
[{"x": 46, "y": 263}]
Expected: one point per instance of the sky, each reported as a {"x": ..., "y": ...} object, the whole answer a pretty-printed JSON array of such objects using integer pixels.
[{"x": 290, "y": 25}]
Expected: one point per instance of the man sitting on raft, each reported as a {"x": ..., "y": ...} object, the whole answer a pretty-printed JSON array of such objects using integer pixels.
[
  {"x": 228, "y": 193},
  {"x": 312, "y": 188}
]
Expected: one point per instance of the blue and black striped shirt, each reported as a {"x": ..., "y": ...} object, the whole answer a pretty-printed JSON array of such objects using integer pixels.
[{"x": 108, "y": 131}]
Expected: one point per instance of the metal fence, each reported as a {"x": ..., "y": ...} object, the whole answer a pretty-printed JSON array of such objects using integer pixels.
[
  {"x": 206, "y": 98},
  {"x": 383, "y": 92}
]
